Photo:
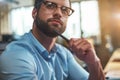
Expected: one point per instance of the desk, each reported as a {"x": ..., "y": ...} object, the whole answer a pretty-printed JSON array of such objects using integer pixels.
[{"x": 112, "y": 69}]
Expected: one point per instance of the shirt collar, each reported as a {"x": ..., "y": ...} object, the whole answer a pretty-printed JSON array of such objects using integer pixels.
[{"x": 41, "y": 49}]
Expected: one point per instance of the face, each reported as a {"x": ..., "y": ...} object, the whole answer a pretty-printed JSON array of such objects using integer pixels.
[{"x": 48, "y": 21}]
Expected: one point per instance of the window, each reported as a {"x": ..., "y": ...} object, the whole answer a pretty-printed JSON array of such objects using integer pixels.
[
  {"x": 85, "y": 19},
  {"x": 90, "y": 18},
  {"x": 73, "y": 25},
  {"x": 21, "y": 20}
]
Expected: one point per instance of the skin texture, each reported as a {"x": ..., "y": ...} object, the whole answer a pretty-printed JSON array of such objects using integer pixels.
[{"x": 45, "y": 22}]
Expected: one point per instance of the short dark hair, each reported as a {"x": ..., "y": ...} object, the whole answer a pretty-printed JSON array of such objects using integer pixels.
[{"x": 37, "y": 3}]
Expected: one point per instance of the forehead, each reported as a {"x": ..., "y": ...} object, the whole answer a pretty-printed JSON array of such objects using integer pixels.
[{"x": 61, "y": 2}]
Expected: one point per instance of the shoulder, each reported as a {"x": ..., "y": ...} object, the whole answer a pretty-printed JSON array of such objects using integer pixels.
[
  {"x": 17, "y": 52},
  {"x": 23, "y": 45},
  {"x": 16, "y": 59}
]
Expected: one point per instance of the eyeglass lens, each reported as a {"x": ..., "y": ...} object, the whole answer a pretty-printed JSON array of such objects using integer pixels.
[{"x": 53, "y": 6}]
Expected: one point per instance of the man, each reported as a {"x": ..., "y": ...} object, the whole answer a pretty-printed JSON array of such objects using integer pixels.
[{"x": 36, "y": 56}]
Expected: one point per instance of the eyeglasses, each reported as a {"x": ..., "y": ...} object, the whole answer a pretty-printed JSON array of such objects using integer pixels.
[{"x": 66, "y": 11}]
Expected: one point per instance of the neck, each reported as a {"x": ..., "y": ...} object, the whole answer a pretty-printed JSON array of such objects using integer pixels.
[{"x": 47, "y": 42}]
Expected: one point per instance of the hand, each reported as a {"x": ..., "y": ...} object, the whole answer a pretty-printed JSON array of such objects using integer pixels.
[{"x": 83, "y": 50}]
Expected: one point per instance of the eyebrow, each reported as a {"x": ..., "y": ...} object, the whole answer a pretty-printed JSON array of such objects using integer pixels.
[{"x": 61, "y": 5}]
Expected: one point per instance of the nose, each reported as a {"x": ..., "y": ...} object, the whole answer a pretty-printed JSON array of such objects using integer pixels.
[{"x": 58, "y": 12}]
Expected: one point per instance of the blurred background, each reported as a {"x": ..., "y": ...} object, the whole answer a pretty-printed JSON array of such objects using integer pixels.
[{"x": 96, "y": 20}]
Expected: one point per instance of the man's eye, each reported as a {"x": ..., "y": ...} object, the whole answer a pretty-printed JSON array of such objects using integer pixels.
[
  {"x": 51, "y": 5},
  {"x": 65, "y": 9}
]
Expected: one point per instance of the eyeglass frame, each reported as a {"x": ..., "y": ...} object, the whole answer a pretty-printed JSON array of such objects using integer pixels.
[{"x": 72, "y": 11}]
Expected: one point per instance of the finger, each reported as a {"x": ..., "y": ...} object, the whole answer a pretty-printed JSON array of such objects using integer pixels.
[
  {"x": 80, "y": 43},
  {"x": 84, "y": 48},
  {"x": 71, "y": 41},
  {"x": 75, "y": 41}
]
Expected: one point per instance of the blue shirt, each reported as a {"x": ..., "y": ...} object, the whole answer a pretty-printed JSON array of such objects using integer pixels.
[{"x": 27, "y": 59}]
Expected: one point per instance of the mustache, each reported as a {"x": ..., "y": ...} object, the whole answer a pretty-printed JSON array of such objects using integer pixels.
[{"x": 55, "y": 19}]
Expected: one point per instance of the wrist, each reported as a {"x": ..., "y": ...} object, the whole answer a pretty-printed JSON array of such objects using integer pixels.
[{"x": 92, "y": 63}]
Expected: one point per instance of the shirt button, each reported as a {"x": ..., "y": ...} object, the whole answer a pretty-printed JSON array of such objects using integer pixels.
[{"x": 49, "y": 56}]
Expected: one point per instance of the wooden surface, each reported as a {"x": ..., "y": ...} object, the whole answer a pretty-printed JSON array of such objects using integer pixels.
[{"x": 112, "y": 69}]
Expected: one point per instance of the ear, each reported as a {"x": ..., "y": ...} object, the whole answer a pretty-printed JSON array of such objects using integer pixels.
[{"x": 34, "y": 13}]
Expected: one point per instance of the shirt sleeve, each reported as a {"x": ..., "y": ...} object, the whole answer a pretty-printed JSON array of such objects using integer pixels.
[
  {"x": 76, "y": 72},
  {"x": 17, "y": 65}
]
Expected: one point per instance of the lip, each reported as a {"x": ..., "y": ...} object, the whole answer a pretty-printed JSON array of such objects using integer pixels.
[{"x": 57, "y": 21}]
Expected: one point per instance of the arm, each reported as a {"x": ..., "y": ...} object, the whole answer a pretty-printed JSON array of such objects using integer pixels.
[
  {"x": 84, "y": 51},
  {"x": 96, "y": 72}
]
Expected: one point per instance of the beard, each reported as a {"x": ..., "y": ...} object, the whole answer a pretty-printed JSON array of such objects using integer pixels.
[{"x": 47, "y": 29}]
